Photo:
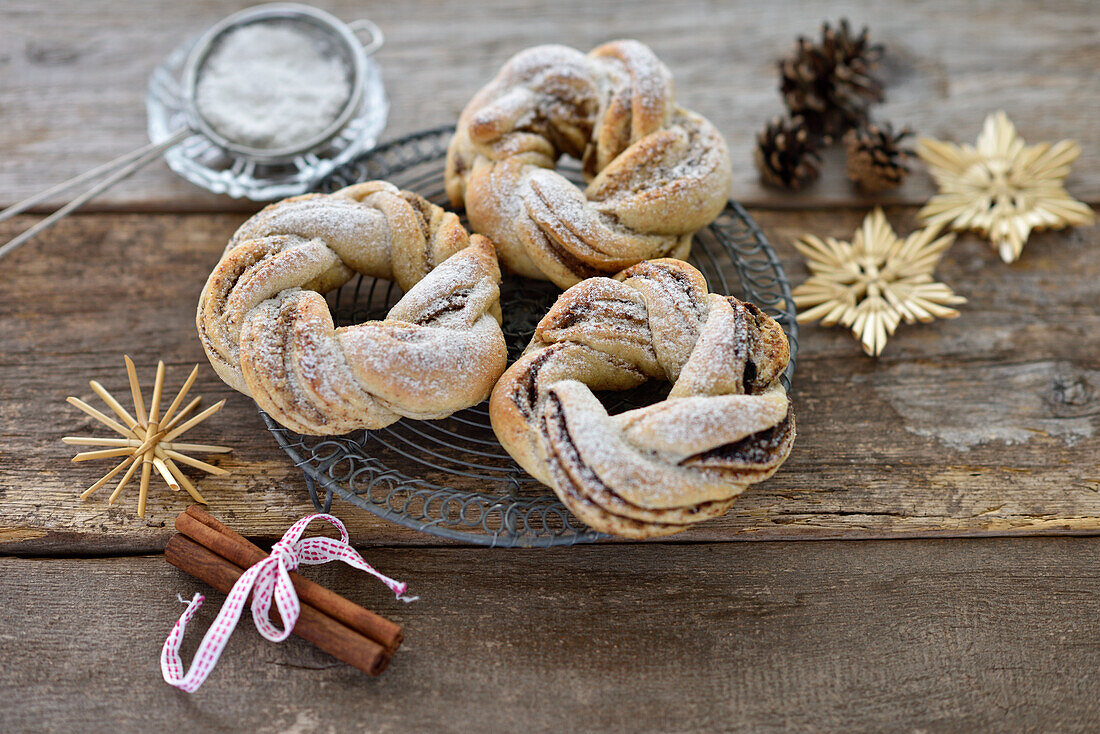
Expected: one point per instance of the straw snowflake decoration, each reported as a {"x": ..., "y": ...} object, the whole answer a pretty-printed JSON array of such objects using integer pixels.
[
  {"x": 1002, "y": 188},
  {"x": 149, "y": 439},
  {"x": 872, "y": 283}
]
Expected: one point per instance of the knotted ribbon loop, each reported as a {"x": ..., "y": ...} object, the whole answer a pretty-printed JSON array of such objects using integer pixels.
[{"x": 268, "y": 578}]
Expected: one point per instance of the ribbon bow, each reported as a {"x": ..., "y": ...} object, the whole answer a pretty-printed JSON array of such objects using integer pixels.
[{"x": 270, "y": 577}]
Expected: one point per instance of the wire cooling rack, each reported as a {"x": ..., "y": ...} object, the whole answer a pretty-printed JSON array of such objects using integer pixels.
[{"x": 450, "y": 477}]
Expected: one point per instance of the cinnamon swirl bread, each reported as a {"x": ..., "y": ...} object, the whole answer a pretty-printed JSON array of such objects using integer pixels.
[
  {"x": 656, "y": 172},
  {"x": 726, "y": 424},
  {"x": 268, "y": 332}
]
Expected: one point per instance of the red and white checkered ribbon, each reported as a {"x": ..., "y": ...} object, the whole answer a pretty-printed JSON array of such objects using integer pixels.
[{"x": 270, "y": 576}]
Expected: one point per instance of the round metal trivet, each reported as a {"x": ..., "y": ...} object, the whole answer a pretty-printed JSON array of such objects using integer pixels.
[{"x": 450, "y": 477}]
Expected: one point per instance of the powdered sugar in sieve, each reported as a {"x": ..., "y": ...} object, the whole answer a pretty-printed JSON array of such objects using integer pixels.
[{"x": 276, "y": 81}]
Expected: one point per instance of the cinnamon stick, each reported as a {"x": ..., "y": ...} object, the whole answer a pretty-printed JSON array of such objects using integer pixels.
[
  {"x": 208, "y": 531},
  {"x": 335, "y": 638}
]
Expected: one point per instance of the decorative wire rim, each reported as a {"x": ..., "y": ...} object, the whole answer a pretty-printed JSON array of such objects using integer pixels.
[{"x": 335, "y": 465}]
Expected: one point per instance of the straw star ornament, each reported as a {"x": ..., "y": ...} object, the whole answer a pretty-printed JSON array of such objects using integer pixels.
[
  {"x": 870, "y": 284},
  {"x": 1001, "y": 187},
  {"x": 149, "y": 438}
]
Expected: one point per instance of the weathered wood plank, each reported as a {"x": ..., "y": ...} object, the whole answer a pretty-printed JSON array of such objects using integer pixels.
[
  {"x": 73, "y": 74},
  {"x": 877, "y": 636},
  {"x": 984, "y": 424}
]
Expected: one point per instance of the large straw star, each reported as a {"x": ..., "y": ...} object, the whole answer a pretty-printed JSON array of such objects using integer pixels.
[
  {"x": 148, "y": 438},
  {"x": 872, "y": 283},
  {"x": 1002, "y": 188}
]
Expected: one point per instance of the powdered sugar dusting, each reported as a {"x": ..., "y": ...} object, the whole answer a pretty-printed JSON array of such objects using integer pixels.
[
  {"x": 683, "y": 427},
  {"x": 641, "y": 478},
  {"x": 659, "y": 468},
  {"x": 654, "y": 188},
  {"x": 269, "y": 85},
  {"x": 440, "y": 350}
]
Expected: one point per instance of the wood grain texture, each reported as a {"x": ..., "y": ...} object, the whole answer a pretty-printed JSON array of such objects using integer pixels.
[
  {"x": 985, "y": 425},
  {"x": 981, "y": 425},
  {"x": 73, "y": 74},
  {"x": 940, "y": 636}
]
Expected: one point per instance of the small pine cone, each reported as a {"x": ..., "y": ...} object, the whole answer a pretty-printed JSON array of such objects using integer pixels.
[
  {"x": 876, "y": 159},
  {"x": 830, "y": 84},
  {"x": 786, "y": 154},
  {"x": 804, "y": 79}
]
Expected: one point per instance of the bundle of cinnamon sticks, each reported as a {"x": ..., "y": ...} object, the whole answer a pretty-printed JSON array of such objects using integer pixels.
[{"x": 217, "y": 555}]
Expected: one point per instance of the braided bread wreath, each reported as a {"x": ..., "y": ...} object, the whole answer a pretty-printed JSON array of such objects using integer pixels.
[
  {"x": 653, "y": 471},
  {"x": 657, "y": 172},
  {"x": 268, "y": 332}
]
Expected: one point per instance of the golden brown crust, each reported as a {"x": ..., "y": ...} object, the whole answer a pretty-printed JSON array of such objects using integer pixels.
[
  {"x": 657, "y": 172},
  {"x": 268, "y": 332},
  {"x": 653, "y": 471}
]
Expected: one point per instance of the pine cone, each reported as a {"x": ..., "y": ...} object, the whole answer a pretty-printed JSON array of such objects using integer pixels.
[
  {"x": 876, "y": 159},
  {"x": 830, "y": 84},
  {"x": 786, "y": 154}
]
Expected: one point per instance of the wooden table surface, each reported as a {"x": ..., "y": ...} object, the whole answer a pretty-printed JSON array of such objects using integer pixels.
[{"x": 963, "y": 432}]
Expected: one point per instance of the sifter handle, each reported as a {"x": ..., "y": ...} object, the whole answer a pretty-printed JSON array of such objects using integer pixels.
[
  {"x": 377, "y": 38},
  {"x": 111, "y": 173}
]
